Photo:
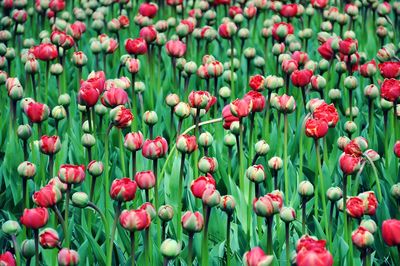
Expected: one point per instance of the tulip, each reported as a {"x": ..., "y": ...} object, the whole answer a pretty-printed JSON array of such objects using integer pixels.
[
  {"x": 390, "y": 232},
  {"x": 199, "y": 185},
  {"x": 170, "y": 249},
  {"x": 257, "y": 257},
  {"x": 136, "y": 47},
  {"x": 49, "y": 145},
  {"x": 390, "y": 69},
  {"x": 313, "y": 253},
  {"x": 37, "y": 112},
  {"x": 281, "y": 30},
  {"x": 315, "y": 128},
  {"x": 192, "y": 223},
  {"x": 68, "y": 257},
  {"x": 148, "y": 10},
  {"x": 155, "y": 149},
  {"x": 121, "y": 117},
  {"x": 257, "y": 83},
  {"x": 370, "y": 202},
  {"x": 123, "y": 190},
  {"x": 114, "y": 97},
  {"x": 46, "y": 197},
  {"x": 7, "y": 259},
  {"x": 148, "y": 33},
  {"x": 362, "y": 238},
  {"x": 145, "y": 180},
  {"x": 48, "y": 238},
  {"x": 355, "y": 207}
]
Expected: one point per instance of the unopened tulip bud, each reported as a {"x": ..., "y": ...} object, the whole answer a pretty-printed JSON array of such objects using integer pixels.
[
  {"x": 334, "y": 193},
  {"x": 172, "y": 100},
  {"x": 229, "y": 140},
  {"x": 371, "y": 92},
  {"x": 26, "y": 170},
  {"x": 287, "y": 214},
  {"x": 370, "y": 225},
  {"x": 208, "y": 164},
  {"x": 48, "y": 238},
  {"x": 79, "y": 59},
  {"x": 24, "y": 132},
  {"x": 350, "y": 127},
  {"x": 170, "y": 248},
  {"x": 305, "y": 189},
  {"x": 350, "y": 83},
  {"x": 261, "y": 148},
  {"x": 88, "y": 140},
  {"x": 224, "y": 92},
  {"x": 68, "y": 257},
  {"x": 58, "y": 112},
  {"x": 227, "y": 204},
  {"x": 85, "y": 126},
  {"x": 211, "y": 197},
  {"x": 334, "y": 94},
  {"x": 149, "y": 208},
  {"x": 182, "y": 110},
  {"x": 11, "y": 227},
  {"x": 395, "y": 191},
  {"x": 100, "y": 109},
  {"x": 205, "y": 139},
  {"x": 386, "y": 105},
  {"x": 342, "y": 142},
  {"x": 95, "y": 168},
  {"x": 28, "y": 248},
  {"x": 165, "y": 213},
  {"x": 275, "y": 163},
  {"x": 150, "y": 118},
  {"x": 256, "y": 173},
  {"x": 362, "y": 238},
  {"x": 192, "y": 222}
]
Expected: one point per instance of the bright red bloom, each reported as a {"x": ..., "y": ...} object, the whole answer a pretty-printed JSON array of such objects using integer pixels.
[
  {"x": 136, "y": 46},
  {"x": 355, "y": 207},
  {"x": 7, "y": 259},
  {"x": 72, "y": 174},
  {"x": 57, "y": 5},
  {"x": 36, "y": 112},
  {"x": 88, "y": 95},
  {"x": 48, "y": 238},
  {"x": 361, "y": 237},
  {"x": 256, "y": 99},
  {"x": 135, "y": 220},
  {"x": 309, "y": 242},
  {"x": 192, "y": 221},
  {"x": 311, "y": 251},
  {"x": 148, "y": 10},
  {"x": 257, "y": 82},
  {"x": 121, "y": 117},
  {"x": 349, "y": 164},
  {"x": 148, "y": 33},
  {"x": 145, "y": 179},
  {"x": 49, "y": 144},
  {"x": 67, "y": 257},
  {"x": 96, "y": 80},
  {"x": 319, "y": 3},
  {"x": 45, "y": 51},
  {"x": 390, "y": 90},
  {"x": 124, "y": 21},
  {"x": 47, "y": 196},
  {"x": 154, "y": 149},
  {"x": 186, "y": 143},
  {"x": 241, "y": 107},
  {"x": 396, "y": 149},
  {"x": 301, "y": 78},
  {"x": 288, "y": 10},
  {"x": 348, "y": 46},
  {"x": 227, "y": 30},
  {"x": 114, "y": 97},
  {"x": 390, "y": 69},
  {"x": 325, "y": 49},
  {"x": 174, "y": 2},
  {"x": 369, "y": 201},
  {"x": 234, "y": 10},
  {"x": 175, "y": 48},
  {"x": 201, "y": 99},
  {"x": 300, "y": 57},
  {"x": 328, "y": 113},
  {"x": 315, "y": 128},
  {"x": 256, "y": 257},
  {"x": 391, "y": 232},
  {"x": 189, "y": 24},
  {"x": 228, "y": 117},
  {"x": 356, "y": 147},
  {"x": 123, "y": 189},
  {"x": 368, "y": 69},
  {"x": 199, "y": 185},
  {"x": 281, "y": 30},
  {"x": 35, "y": 218}
]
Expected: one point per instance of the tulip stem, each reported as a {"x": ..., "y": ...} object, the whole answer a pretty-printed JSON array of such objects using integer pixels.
[
  {"x": 121, "y": 152},
  {"x": 134, "y": 101},
  {"x": 17, "y": 249},
  {"x": 232, "y": 70},
  {"x": 378, "y": 185},
  {"x": 204, "y": 244},
  {"x": 303, "y": 215},
  {"x": 89, "y": 119},
  {"x": 251, "y": 137},
  {"x": 285, "y": 157},
  {"x": 228, "y": 240},
  {"x": 351, "y": 104},
  {"x": 46, "y": 88},
  {"x": 267, "y": 115},
  {"x": 287, "y": 231},
  {"x": 36, "y": 236},
  {"x": 179, "y": 211},
  {"x": 240, "y": 152},
  {"x": 269, "y": 221},
  {"x": 51, "y": 165},
  {"x": 230, "y": 162},
  {"x": 60, "y": 219},
  {"x": 67, "y": 196},
  {"x": 114, "y": 227},
  {"x": 190, "y": 250},
  {"x": 92, "y": 187},
  {"x": 103, "y": 219},
  {"x": 132, "y": 237},
  {"x": 133, "y": 164},
  {"x": 155, "y": 167},
  {"x": 25, "y": 193}
]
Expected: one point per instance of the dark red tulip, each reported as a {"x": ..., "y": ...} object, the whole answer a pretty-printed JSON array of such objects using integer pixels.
[
  {"x": 355, "y": 207},
  {"x": 88, "y": 95},
  {"x": 326, "y": 112},
  {"x": 97, "y": 80},
  {"x": 256, "y": 257},
  {"x": 49, "y": 144},
  {"x": 390, "y": 69},
  {"x": 136, "y": 46},
  {"x": 348, "y": 46},
  {"x": 47, "y": 196},
  {"x": 234, "y": 10},
  {"x": 45, "y": 51},
  {"x": 228, "y": 117},
  {"x": 349, "y": 163},
  {"x": 256, "y": 82},
  {"x": 199, "y": 185},
  {"x": 368, "y": 69},
  {"x": 315, "y": 128},
  {"x": 148, "y": 10},
  {"x": 241, "y": 107},
  {"x": 396, "y": 149},
  {"x": 301, "y": 78},
  {"x": 121, "y": 117},
  {"x": 37, "y": 112},
  {"x": 391, "y": 232},
  {"x": 325, "y": 49},
  {"x": 321, "y": 4},
  {"x": 390, "y": 90},
  {"x": 201, "y": 99},
  {"x": 148, "y": 33}
]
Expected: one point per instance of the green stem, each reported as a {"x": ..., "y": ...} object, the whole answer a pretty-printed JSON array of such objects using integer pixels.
[
  {"x": 240, "y": 151},
  {"x": 349, "y": 229},
  {"x": 378, "y": 185},
  {"x": 232, "y": 71},
  {"x": 67, "y": 196},
  {"x": 345, "y": 179},
  {"x": 287, "y": 231},
  {"x": 36, "y": 236},
  {"x": 228, "y": 240},
  {"x": 180, "y": 200},
  {"x": 285, "y": 157},
  {"x": 269, "y": 234},
  {"x": 121, "y": 153},
  {"x": 60, "y": 219},
  {"x": 132, "y": 238},
  {"x": 17, "y": 249},
  {"x": 190, "y": 250},
  {"x": 351, "y": 104},
  {"x": 303, "y": 215},
  {"x": 204, "y": 243},
  {"x": 114, "y": 227}
]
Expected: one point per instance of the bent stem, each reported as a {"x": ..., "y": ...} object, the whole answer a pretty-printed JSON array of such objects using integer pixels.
[
  {"x": 67, "y": 196},
  {"x": 114, "y": 227},
  {"x": 179, "y": 211},
  {"x": 60, "y": 219}
]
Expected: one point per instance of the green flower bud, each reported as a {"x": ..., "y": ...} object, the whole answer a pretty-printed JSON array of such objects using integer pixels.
[
  {"x": 305, "y": 189},
  {"x": 370, "y": 225},
  {"x": 334, "y": 94},
  {"x": 342, "y": 142},
  {"x": 24, "y": 132},
  {"x": 259, "y": 62},
  {"x": 85, "y": 127},
  {"x": 350, "y": 127},
  {"x": 64, "y": 100},
  {"x": 225, "y": 92},
  {"x": 371, "y": 91},
  {"x": 255, "y": 173},
  {"x": 334, "y": 193},
  {"x": 395, "y": 191},
  {"x": 150, "y": 118},
  {"x": 205, "y": 139},
  {"x": 11, "y": 227},
  {"x": 165, "y": 213},
  {"x": 172, "y": 99},
  {"x": 28, "y": 248},
  {"x": 354, "y": 109},
  {"x": 249, "y": 52},
  {"x": 211, "y": 197},
  {"x": 95, "y": 168},
  {"x": 275, "y": 163},
  {"x": 386, "y": 105},
  {"x": 170, "y": 248},
  {"x": 88, "y": 140},
  {"x": 350, "y": 83},
  {"x": 56, "y": 70},
  {"x": 26, "y": 170},
  {"x": 229, "y": 140},
  {"x": 190, "y": 67},
  {"x": 100, "y": 109},
  {"x": 140, "y": 87},
  {"x": 80, "y": 199},
  {"x": 58, "y": 112},
  {"x": 261, "y": 148},
  {"x": 287, "y": 214},
  {"x": 235, "y": 128},
  {"x": 208, "y": 164},
  {"x": 182, "y": 110}
]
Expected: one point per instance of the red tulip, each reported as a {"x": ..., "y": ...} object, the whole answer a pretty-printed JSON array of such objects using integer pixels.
[
  {"x": 174, "y": 2},
  {"x": 281, "y": 30},
  {"x": 76, "y": 29},
  {"x": 134, "y": 141},
  {"x": 311, "y": 251},
  {"x": 355, "y": 207},
  {"x": 123, "y": 189},
  {"x": 289, "y": 66},
  {"x": 34, "y": 218},
  {"x": 256, "y": 257},
  {"x": 189, "y": 23},
  {"x": 390, "y": 90},
  {"x": 300, "y": 57},
  {"x": 356, "y": 146},
  {"x": 124, "y": 21},
  {"x": 7, "y": 259},
  {"x": 301, "y": 78},
  {"x": 186, "y": 143},
  {"x": 57, "y": 5},
  {"x": 319, "y": 3},
  {"x": 309, "y": 242},
  {"x": 325, "y": 49},
  {"x": 45, "y": 51},
  {"x": 390, "y": 69},
  {"x": 368, "y": 69},
  {"x": 227, "y": 30},
  {"x": 137, "y": 46},
  {"x": 348, "y": 46},
  {"x": 175, "y": 48},
  {"x": 49, "y": 144},
  {"x": 48, "y": 238},
  {"x": 267, "y": 205},
  {"x": 88, "y": 95},
  {"x": 256, "y": 99},
  {"x": 199, "y": 185},
  {"x": 71, "y": 174},
  {"x": 154, "y": 149},
  {"x": 148, "y": 10},
  {"x": 257, "y": 82},
  {"x": 327, "y": 113},
  {"x": 201, "y": 99},
  {"x": 47, "y": 196},
  {"x": 315, "y": 128},
  {"x": 121, "y": 117},
  {"x": 97, "y": 80},
  {"x": 391, "y": 232},
  {"x": 37, "y": 112},
  {"x": 241, "y": 107},
  {"x": 234, "y": 10},
  {"x": 228, "y": 117},
  {"x": 192, "y": 222},
  {"x": 284, "y": 103},
  {"x": 135, "y": 220},
  {"x": 145, "y": 179},
  {"x": 369, "y": 201},
  {"x": 362, "y": 238},
  {"x": 396, "y": 149},
  {"x": 288, "y": 10},
  {"x": 148, "y": 33},
  {"x": 20, "y": 16},
  {"x": 67, "y": 257},
  {"x": 349, "y": 164},
  {"x": 114, "y": 97}
]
